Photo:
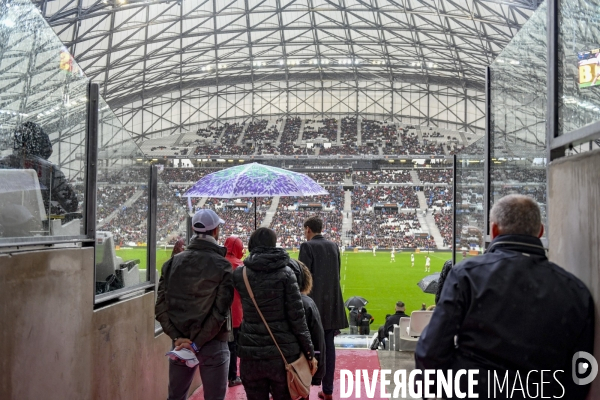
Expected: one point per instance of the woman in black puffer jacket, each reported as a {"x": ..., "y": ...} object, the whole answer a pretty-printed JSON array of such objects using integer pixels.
[{"x": 277, "y": 294}]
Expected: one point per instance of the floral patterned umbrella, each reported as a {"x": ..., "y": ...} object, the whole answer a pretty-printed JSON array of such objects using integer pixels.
[{"x": 254, "y": 180}]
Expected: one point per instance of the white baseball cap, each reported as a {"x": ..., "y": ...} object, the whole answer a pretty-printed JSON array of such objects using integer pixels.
[{"x": 205, "y": 220}]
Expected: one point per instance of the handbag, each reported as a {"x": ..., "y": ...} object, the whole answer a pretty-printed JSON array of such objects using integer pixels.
[{"x": 299, "y": 376}]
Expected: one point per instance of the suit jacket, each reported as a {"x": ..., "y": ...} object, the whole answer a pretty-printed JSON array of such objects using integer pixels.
[{"x": 322, "y": 257}]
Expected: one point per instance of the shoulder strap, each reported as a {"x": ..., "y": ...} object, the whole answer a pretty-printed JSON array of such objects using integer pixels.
[{"x": 259, "y": 313}]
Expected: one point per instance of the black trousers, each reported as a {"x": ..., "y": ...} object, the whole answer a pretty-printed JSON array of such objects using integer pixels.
[
  {"x": 261, "y": 377},
  {"x": 233, "y": 355},
  {"x": 381, "y": 334},
  {"x": 327, "y": 384}
]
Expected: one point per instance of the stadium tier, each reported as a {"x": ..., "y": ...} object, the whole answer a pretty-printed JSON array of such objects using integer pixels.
[
  {"x": 443, "y": 220},
  {"x": 122, "y": 200},
  {"x": 382, "y": 176},
  {"x": 305, "y": 136},
  {"x": 289, "y": 226},
  {"x": 385, "y": 229}
]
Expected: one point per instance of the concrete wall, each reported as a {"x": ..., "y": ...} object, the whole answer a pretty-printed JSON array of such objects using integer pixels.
[
  {"x": 574, "y": 226},
  {"x": 53, "y": 345}
]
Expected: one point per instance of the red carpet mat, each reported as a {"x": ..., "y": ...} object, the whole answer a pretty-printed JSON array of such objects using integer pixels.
[{"x": 345, "y": 359}]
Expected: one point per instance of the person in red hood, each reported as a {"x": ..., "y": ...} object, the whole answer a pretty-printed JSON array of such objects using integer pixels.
[{"x": 235, "y": 252}]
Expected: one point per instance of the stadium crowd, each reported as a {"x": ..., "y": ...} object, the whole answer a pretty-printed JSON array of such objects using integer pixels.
[
  {"x": 261, "y": 137},
  {"x": 288, "y": 226},
  {"x": 443, "y": 220},
  {"x": 327, "y": 178},
  {"x": 184, "y": 174},
  {"x": 522, "y": 175},
  {"x": 378, "y": 131},
  {"x": 289, "y": 136},
  {"x": 259, "y": 131},
  {"x": 438, "y": 196},
  {"x": 327, "y": 129},
  {"x": 346, "y": 150},
  {"x": 381, "y": 176},
  {"x": 349, "y": 132},
  {"x": 435, "y": 175},
  {"x": 111, "y": 198},
  {"x": 127, "y": 175},
  {"x": 364, "y": 197}
]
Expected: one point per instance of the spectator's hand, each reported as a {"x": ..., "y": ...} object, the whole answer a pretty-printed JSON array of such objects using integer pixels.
[
  {"x": 314, "y": 365},
  {"x": 181, "y": 341},
  {"x": 186, "y": 345}
]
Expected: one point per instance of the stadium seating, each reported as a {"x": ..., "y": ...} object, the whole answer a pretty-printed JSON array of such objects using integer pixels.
[
  {"x": 388, "y": 185},
  {"x": 262, "y": 136},
  {"x": 406, "y": 342},
  {"x": 418, "y": 321}
]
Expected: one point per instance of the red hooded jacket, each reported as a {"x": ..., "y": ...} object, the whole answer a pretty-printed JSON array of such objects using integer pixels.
[{"x": 235, "y": 251}]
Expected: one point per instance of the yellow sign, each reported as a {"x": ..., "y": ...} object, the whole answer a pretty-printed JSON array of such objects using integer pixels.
[
  {"x": 589, "y": 68},
  {"x": 67, "y": 63}
]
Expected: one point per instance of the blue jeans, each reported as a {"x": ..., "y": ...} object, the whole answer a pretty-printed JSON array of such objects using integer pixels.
[
  {"x": 214, "y": 363},
  {"x": 327, "y": 384}
]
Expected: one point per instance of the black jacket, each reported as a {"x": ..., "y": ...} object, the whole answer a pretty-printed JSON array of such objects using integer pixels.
[
  {"x": 322, "y": 257},
  {"x": 195, "y": 293},
  {"x": 393, "y": 320},
  {"x": 313, "y": 321},
  {"x": 317, "y": 335},
  {"x": 276, "y": 292},
  {"x": 511, "y": 310}
]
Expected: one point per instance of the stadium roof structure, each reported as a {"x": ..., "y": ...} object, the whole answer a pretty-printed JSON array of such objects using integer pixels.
[{"x": 142, "y": 51}]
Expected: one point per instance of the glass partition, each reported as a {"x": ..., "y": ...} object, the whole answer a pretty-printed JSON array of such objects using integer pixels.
[
  {"x": 579, "y": 64},
  {"x": 518, "y": 101},
  {"x": 468, "y": 205},
  {"x": 122, "y": 205},
  {"x": 43, "y": 111}
]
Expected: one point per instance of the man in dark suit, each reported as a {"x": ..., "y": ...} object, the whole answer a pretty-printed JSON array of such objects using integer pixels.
[{"x": 322, "y": 257}]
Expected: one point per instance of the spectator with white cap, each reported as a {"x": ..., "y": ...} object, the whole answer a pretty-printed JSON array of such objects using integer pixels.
[{"x": 195, "y": 293}]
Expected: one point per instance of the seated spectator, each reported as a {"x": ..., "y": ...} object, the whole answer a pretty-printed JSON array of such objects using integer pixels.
[
  {"x": 390, "y": 321},
  {"x": 31, "y": 150}
]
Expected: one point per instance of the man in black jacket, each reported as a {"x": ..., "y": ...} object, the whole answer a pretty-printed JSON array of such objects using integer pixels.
[
  {"x": 322, "y": 257},
  {"x": 511, "y": 314},
  {"x": 392, "y": 320},
  {"x": 195, "y": 293}
]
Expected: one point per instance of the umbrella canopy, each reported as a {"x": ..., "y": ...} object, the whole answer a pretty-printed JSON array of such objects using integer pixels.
[
  {"x": 255, "y": 180},
  {"x": 429, "y": 284},
  {"x": 355, "y": 302}
]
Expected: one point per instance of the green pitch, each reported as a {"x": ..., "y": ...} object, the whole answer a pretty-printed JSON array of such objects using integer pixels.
[
  {"x": 140, "y": 254},
  {"x": 383, "y": 283},
  {"x": 376, "y": 279}
]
